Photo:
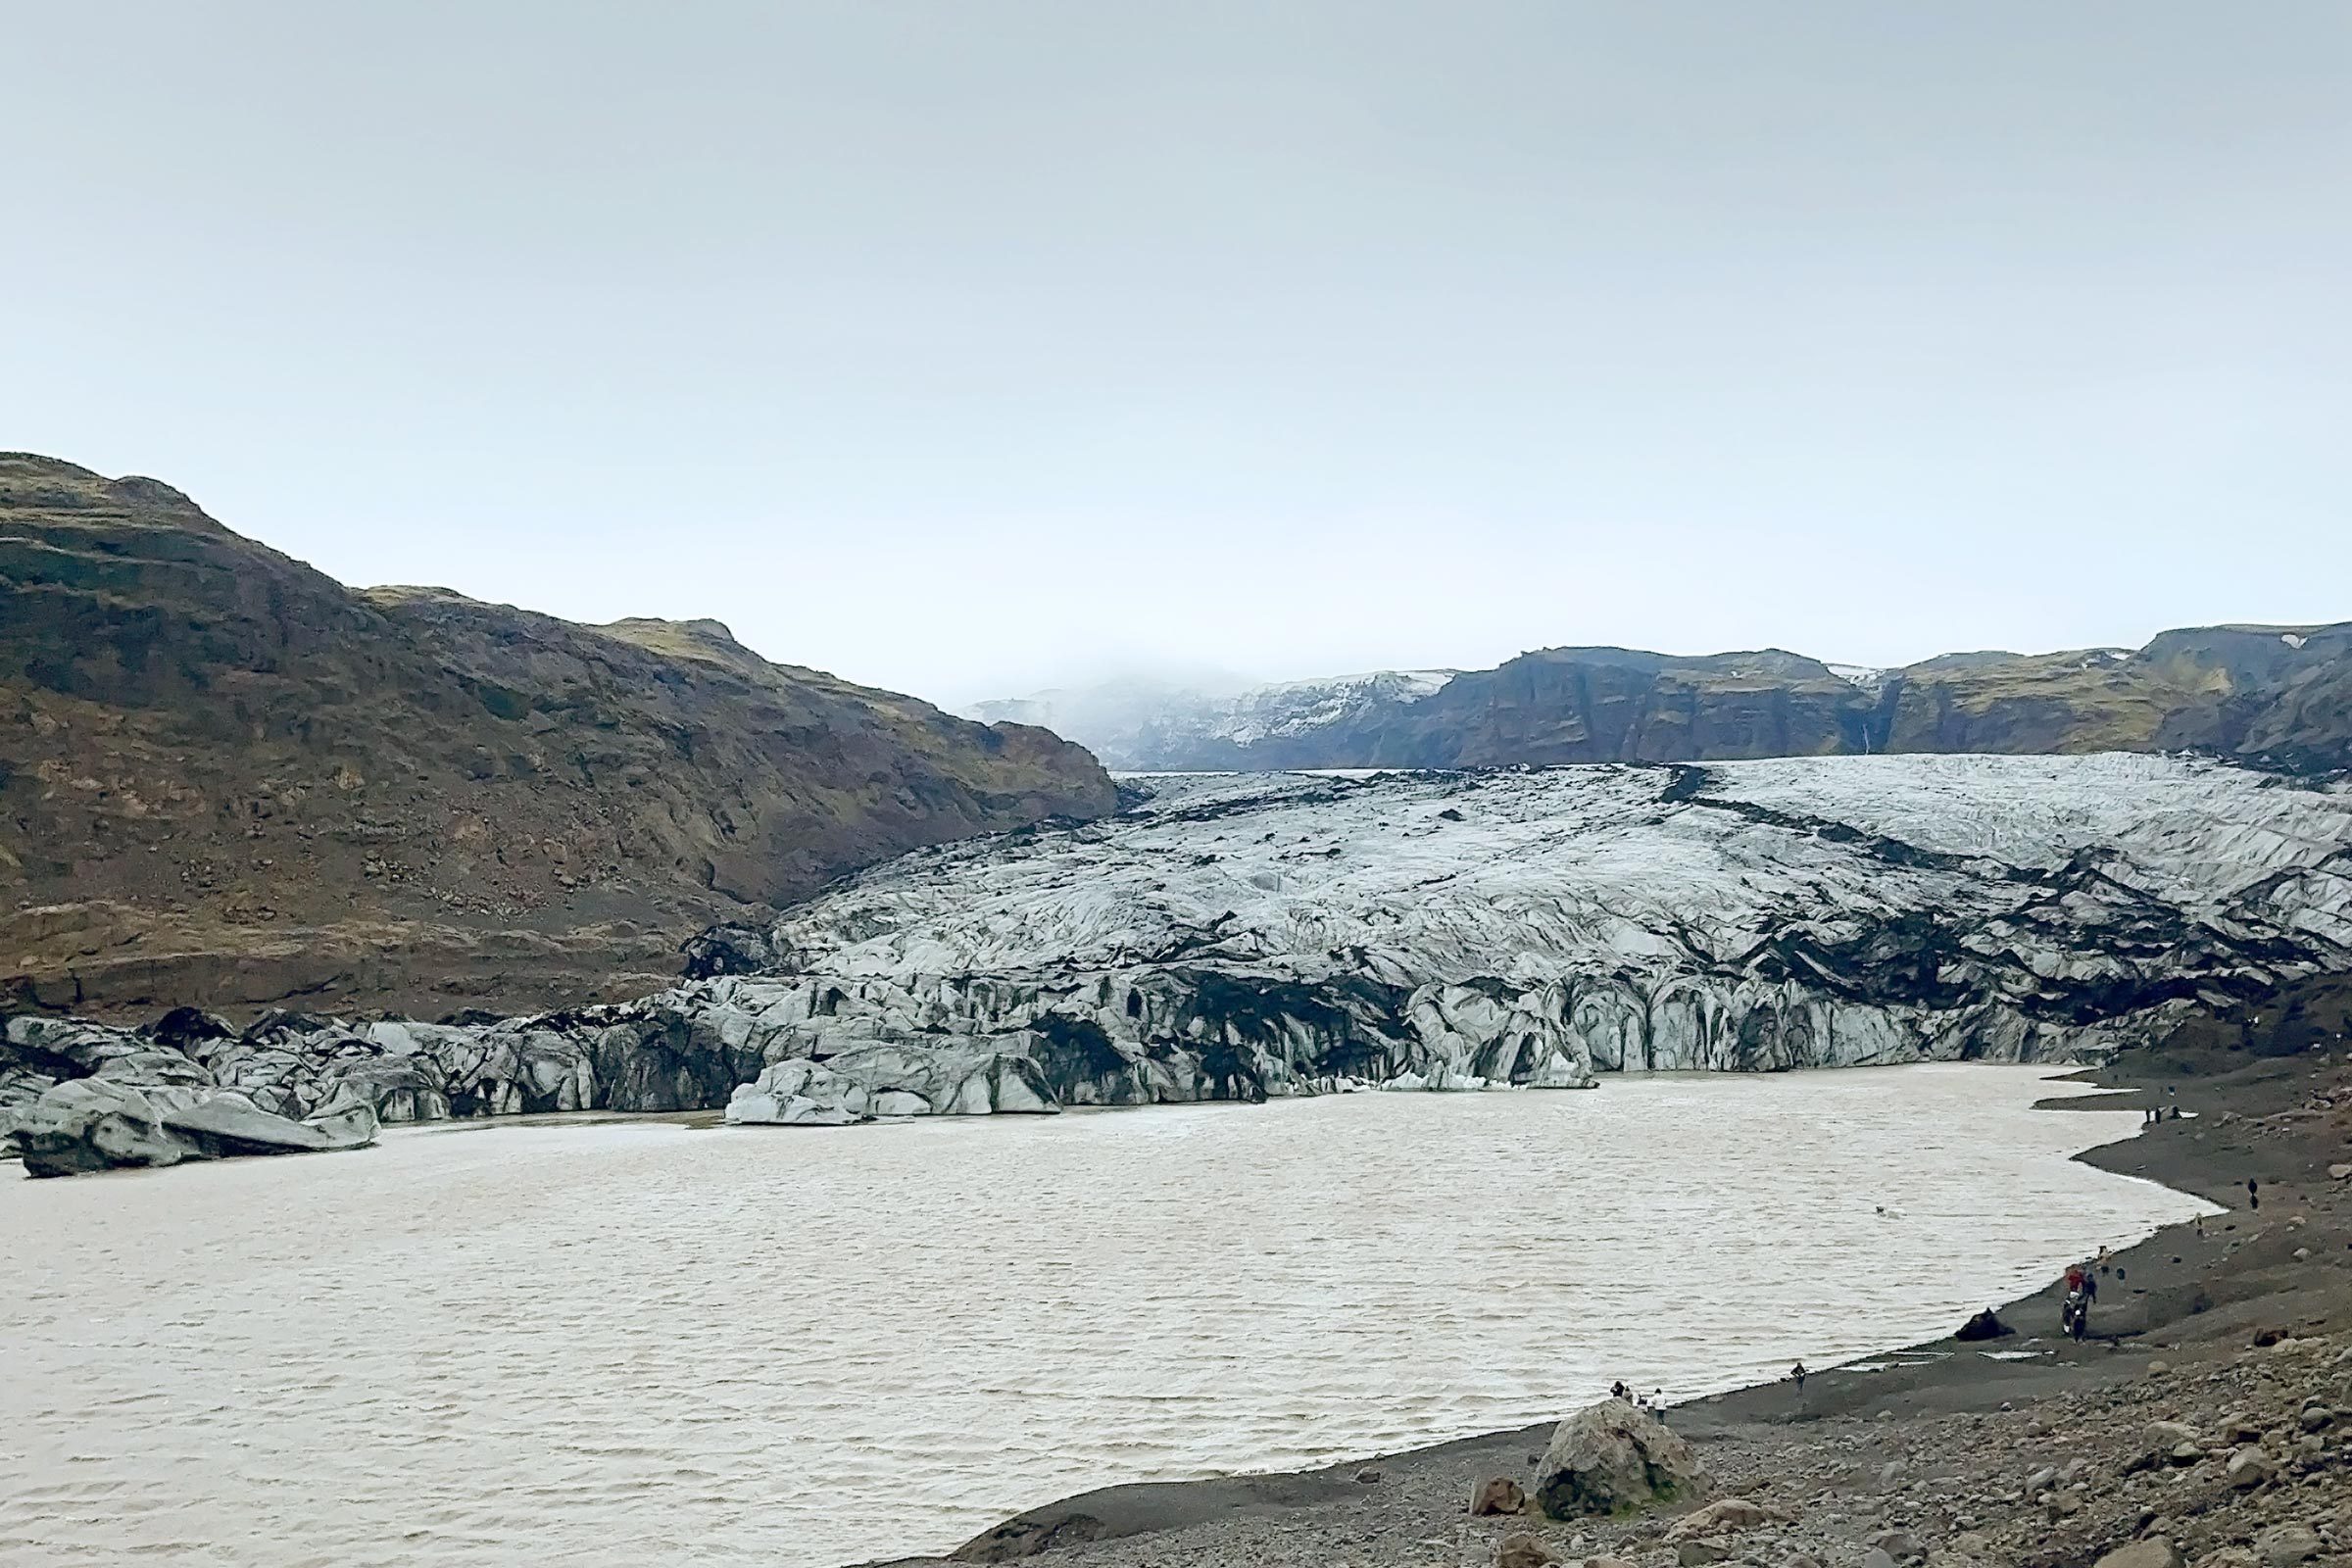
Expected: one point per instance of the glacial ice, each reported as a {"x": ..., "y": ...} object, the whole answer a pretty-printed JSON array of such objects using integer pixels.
[
  {"x": 1239, "y": 935},
  {"x": 1234, "y": 936}
]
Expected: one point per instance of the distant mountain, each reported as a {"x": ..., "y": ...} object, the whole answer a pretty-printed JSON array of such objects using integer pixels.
[
  {"x": 2277, "y": 695},
  {"x": 1150, "y": 726},
  {"x": 226, "y": 779}
]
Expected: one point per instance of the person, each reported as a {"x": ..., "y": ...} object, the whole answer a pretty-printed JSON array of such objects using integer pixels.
[
  {"x": 2253, "y": 1193},
  {"x": 2074, "y": 1314},
  {"x": 1798, "y": 1373},
  {"x": 1618, "y": 1389}
]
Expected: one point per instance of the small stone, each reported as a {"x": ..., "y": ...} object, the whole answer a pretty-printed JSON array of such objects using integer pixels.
[
  {"x": 1876, "y": 1558},
  {"x": 2157, "y": 1369},
  {"x": 1697, "y": 1553},
  {"x": 1524, "y": 1551},
  {"x": 2186, "y": 1453},
  {"x": 1369, "y": 1475},
  {"x": 1895, "y": 1542},
  {"x": 2248, "y": 1469},
  {"x": 2040, "y": 1480},
  {"x": 2065, "y": 1505},
  {"x": 2316, "y": 1417}
]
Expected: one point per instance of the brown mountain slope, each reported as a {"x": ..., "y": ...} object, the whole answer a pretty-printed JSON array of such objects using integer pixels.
[{"x": 226, "y": 779}]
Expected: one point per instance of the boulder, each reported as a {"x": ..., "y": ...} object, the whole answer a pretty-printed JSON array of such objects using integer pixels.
[
  {"x": 1498, "y": 1495},
  {"x": 1984, "y": 1326},
  {"x": 2285, "y": 1546},
  {"x": 1613, "y": 1459},
  {"x": 2153, "y": 1552}
]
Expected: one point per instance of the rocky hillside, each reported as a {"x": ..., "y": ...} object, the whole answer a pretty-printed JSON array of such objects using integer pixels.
[
  {"x": 2277, "y": 694},
  {"x": 227, "y": 780}
]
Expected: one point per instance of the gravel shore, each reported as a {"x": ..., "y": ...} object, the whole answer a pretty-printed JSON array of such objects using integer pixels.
[{"x": 2206, "y": 1422}]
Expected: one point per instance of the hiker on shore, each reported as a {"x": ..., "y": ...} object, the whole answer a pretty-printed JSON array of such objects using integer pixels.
[
  {"x": 1618, "y": 1391},
  {"x": 1798, "y": 1373},
  {"x": 2253, "y": 1193}
]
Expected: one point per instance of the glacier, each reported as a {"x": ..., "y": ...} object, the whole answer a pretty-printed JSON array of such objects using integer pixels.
[
  {"x": 1234, "y": 935},
  {"x": 1244, "y": 936}
]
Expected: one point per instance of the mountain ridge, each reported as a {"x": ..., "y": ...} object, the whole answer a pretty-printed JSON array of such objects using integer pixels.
[
  {"x": 2274, "y": 696},
  {"x": 227, "y": 780}
]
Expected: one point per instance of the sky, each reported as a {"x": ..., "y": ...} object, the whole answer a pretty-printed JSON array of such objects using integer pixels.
[{"x": 965, "y": 347}]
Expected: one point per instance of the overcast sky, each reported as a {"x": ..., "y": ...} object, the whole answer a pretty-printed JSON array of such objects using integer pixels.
[{"x": 961, "y": 346}]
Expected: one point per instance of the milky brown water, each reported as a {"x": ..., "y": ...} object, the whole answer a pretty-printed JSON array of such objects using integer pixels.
[{"x": 639, "y": 1342}]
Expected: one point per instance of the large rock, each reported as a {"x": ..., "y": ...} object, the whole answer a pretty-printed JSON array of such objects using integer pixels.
[
  {"x": 1614, "y": 1458},
  {"x": 2286, "y": 1544},
  {"x": 1984, "y": 1325},
  {"x": 2153, "y": 1552}
]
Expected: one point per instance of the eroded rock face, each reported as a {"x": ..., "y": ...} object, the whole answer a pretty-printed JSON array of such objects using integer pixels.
[{"x": 1614, "y": 1458}]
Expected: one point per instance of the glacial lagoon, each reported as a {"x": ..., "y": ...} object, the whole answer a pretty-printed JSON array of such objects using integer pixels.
[{"x": 623, "y": 1341}]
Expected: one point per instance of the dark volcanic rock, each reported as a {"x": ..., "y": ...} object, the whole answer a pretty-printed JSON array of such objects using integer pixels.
[{"x": 1985, "y": 1325}]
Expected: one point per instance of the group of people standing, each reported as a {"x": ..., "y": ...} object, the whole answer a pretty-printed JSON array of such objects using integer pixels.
[{"x": 1654, "y": 1401}]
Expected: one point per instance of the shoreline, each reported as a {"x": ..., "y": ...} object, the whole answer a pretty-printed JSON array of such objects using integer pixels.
[{"x": 2199, "y": 1291}]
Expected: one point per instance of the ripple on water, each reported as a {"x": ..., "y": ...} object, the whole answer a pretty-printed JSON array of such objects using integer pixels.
[{"x": 598, "y": 1344}]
